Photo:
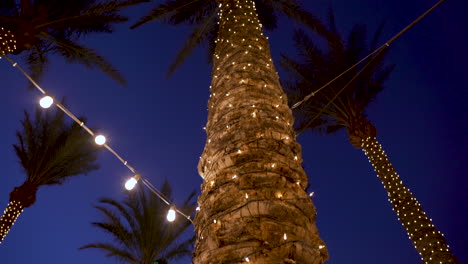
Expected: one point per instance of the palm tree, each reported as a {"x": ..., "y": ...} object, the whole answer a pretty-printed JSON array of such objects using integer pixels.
[
  {"x": 253, "y": 205},
  {"x": 342, "y": 105},
  {"x": 50, "y": 151},
  {"x": 39, "y": 28},
  {"x": 139, "y": 228}
]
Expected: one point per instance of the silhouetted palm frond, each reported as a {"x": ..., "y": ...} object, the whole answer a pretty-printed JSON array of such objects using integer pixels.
[
  {"x": 43, "y": 27},
  {"x": 139, "y": 228},
  {"x": 50, "y": 150},
  {"x": 315, "y": 67},
  {"x": 202, "y": 14}
]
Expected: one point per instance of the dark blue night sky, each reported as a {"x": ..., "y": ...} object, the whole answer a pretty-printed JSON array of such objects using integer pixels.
[{"x": 156, "y": 124}]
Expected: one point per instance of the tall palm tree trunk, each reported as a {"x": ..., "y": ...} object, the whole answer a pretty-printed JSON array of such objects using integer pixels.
[
  {"x": 20, "y": 198},
  {"x": 429, "y": 242},
  {"x": 253, "y": 206}
]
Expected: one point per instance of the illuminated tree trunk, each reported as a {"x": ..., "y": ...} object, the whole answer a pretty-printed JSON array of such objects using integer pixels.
[
  {"x": 429, "y": 242},
  {"x": 253, "y": 207},
  {"x": 20, "y": 198}
]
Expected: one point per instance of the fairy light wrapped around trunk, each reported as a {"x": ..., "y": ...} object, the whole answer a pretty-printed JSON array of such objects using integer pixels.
[
  {"x": 7, "y": 41},
  {"x": 428, "y": 241},
  {"x": 20, "y": 198},
  {"x": 253, "y": 206}
]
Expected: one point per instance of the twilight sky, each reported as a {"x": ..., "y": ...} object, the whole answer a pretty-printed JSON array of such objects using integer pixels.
[{"x": 156, "y": 124}]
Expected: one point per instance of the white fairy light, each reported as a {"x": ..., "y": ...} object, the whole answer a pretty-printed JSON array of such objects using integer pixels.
[
  {"x": 171, "y": 215},
  {"x": 100, "y": 140},
  {"x": 131, "y": 183},
  {"x": 46, "y": 101}
]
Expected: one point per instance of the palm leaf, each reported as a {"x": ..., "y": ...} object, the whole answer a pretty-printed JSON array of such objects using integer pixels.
[
  {"x": 199, "y": 34},
  {"x": 50, "y": 151}
]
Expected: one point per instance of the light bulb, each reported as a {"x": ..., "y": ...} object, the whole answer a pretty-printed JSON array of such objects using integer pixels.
[
  {"x": 171, "y": 215},
  {"x": 100, "y": 140},
  {"x": 46, "y": 101},
  {"x": 130, "y": 183}
]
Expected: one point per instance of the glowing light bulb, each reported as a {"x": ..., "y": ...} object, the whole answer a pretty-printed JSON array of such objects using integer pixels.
[
  {"x": 46, "y": 101},
  {"x": 247, "y": 260},
  {"x": 100, "y": 140},
  {"x": 285, "y": 237},
  {"x": 130, "y": 183},
  {"x": 171, "y": 215}
]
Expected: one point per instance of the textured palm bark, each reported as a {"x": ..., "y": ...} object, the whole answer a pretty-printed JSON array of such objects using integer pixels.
[
  {"x": 429, "y": 242},
  {"x": 253, "y": 207},
  {"x": 20, "y": 198}
]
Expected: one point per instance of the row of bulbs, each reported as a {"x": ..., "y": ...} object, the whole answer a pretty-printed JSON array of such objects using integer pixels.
[{"x": 47, "y": 101}]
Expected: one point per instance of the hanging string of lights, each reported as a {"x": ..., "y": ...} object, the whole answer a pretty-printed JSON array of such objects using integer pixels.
[{"x": 47, "y": 101}]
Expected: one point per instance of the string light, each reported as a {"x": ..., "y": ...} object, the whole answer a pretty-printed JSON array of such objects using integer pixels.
[
  {"x": 46, "y": 101},
  {"x": 171, "y": 215},
  {"x": 100, "y": 140},
  {"x": 418, "y": 226},
  {"x": 131, "y": 183}
]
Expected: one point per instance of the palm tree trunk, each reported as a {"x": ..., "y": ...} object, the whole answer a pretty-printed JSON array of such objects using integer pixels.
[
  {"x": 21, "y": 197},
  {"x": 9, "y": 217},
  {"x": 253, "y": 206},
  {"x": 429, "y": 242}
]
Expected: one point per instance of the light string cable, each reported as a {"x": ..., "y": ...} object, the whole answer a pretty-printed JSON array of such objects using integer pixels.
[
  {"x": 137, "y": 176},
  {"x": 164, "y": 198},
  {"x": 378, "y": 51}
]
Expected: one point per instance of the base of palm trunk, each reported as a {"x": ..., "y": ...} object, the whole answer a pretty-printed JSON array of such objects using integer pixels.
[{"x": 11, "y": 213}]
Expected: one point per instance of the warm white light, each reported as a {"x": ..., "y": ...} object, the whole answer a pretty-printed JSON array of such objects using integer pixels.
[
  {"x": 247, "y": 260},
  {"x": 285, "y": 237},
  {"x": 171, "y": 215},
  {"x": 130, "y": 183},
  {"x": 46, "y": 101},
  {"x": 100, "y": 140}
]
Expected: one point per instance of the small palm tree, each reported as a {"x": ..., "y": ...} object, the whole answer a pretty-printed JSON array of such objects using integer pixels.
[
  {"x": 50, "y": 151},
  {"x": 139, "y": 228},
  {"x": 38, "y": 28},
  {"x": 342, "y": 105}
]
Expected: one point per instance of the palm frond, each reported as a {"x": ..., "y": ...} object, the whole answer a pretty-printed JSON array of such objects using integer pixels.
[
  {"x": 333, "y": 107},
  {"x": 199, "y": 34},
  {"x": 296, "y": 12},
  {"x": 139, "y": 229},
  {"x": 55, "y": 23},
  {"x": 112, "y": 251},
  {"x": 50, "y": 150},
  {"x": 76, "y": 53},
  {"x": 356, "y": 44},
  {"x": 87, "y": 16},
  {"x": 37, "y": 62},
  {"x": 177, "y": 12}
]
